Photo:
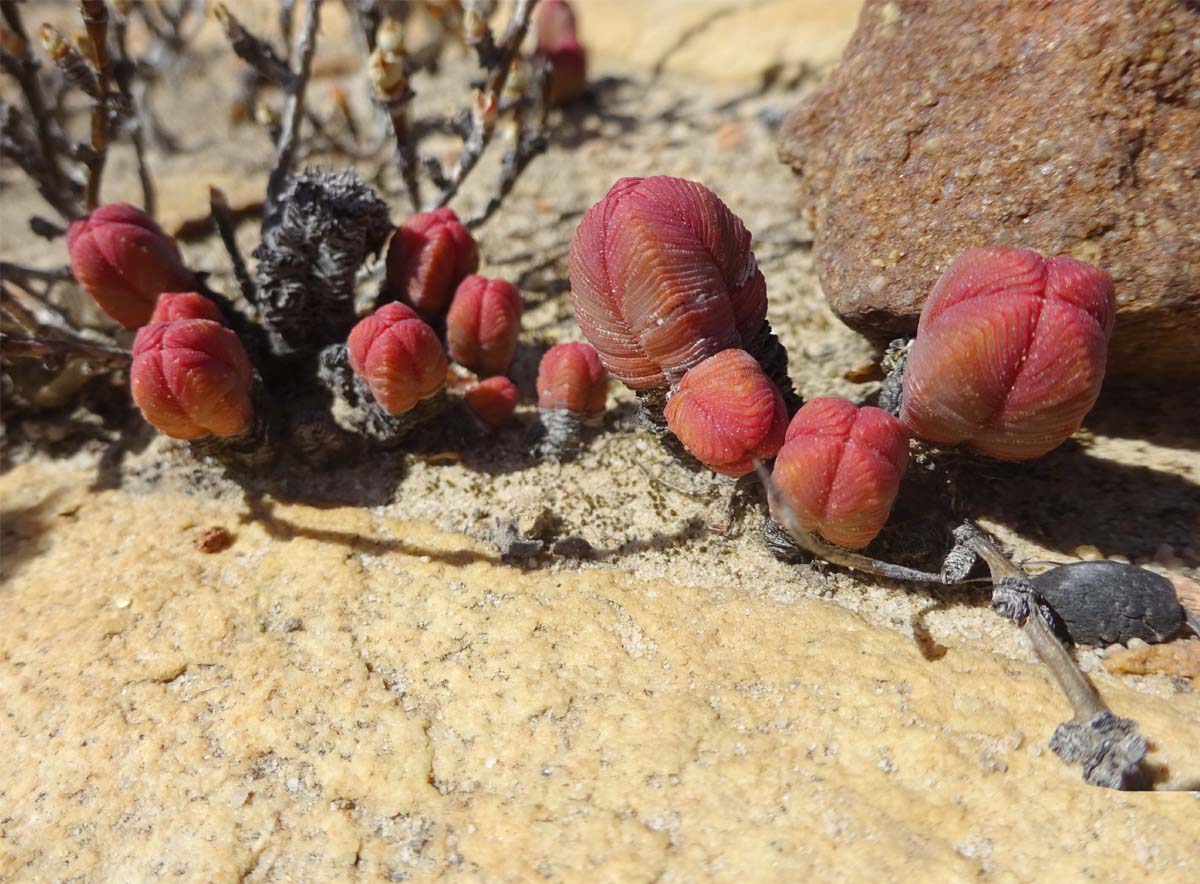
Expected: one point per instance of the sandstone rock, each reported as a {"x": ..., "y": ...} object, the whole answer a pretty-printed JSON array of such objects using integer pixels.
[
  {"x": 717, "y": 40},
  {"x": 339, "y": 696},
  {"x": 1069, "y": 128}
]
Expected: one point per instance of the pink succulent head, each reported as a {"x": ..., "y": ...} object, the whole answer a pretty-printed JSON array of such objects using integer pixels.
[
  {"x": 558, "y": 42},
  {"x": 398, "y": 356},
  {"x": 493, "y": 400},
  {"x": 1010, "y": 352},
  {"x": 571, "y": 378},
  {"x": 726, "y": 412},
  {"x": 124, "y": 260},
  {"x": 191, "y": 378},
  {"x": 662, "y": 277},
  {"x": 483, "y": 323},
  {"x": 185, "y": 305},
  {"x": 839, "y": 469},
  {"x": 430, "y": 254}
]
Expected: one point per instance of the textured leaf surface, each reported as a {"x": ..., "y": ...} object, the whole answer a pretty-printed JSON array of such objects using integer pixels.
[
  {"x": 840, "y": 469},
  {"x": 662, "y": 277},
  {"x": 191, "y": 378},
  {"x": 726, "y": 412},
  {"x": 1010, "y": 352}
]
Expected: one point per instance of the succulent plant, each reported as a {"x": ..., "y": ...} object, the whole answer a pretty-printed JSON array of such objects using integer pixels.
[
  {"x": 483, "y": 323},
  {"x": 325, "y": 226},
  {"x": 558, "y": 43},
  {"x": 398, "y": 356},
  {"x": 839, "y": 469},
  {"x": 662, "y": 277},
  {"x": 727, "y": 413},
  {"x": 191, "y": 378},
  {"x": 1010, "y": 352},
  {"x": 493, "y": 400},
  {"x": 572, "y": 388},
  {"x": 185, "y": 305},
  {"x": 124, "y": 260},
  {"x": 429, "y": 255}
]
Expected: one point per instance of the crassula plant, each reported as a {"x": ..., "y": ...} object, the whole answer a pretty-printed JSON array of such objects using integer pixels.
[
  {"x": 558, "y": 43},
  {"x": 483, "y": 323},
  {"x": 191, "y": 378},
  {"x": 727, "y": 413},
  {"x": 572, "y": 388},
  {"x": 124, "y": 260},
  {"x": 492, "y": 401},
  {"x": 662, "y": 277},
  {"x": 840, "y": 469},
  {"x": 1010, "y": 352},
  {"x": 429, "y": 255}
]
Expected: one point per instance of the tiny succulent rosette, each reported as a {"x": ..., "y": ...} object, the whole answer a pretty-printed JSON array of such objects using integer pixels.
[
  {"x": 185, "y": 305},
  {"x": 727, "y": 413},
  {"x": 839, "y": 469},
  {"x": 572, "y": 388},
  {"x": 571, "y": 378},
  {"x": 398, "y": 356},
  {"x": 124, "y": 261},
  {"x": 191, "y": 378},
  {"x": 483, "y": 324},
  {"x": 558, "y": 43},
  {"x": 1010, "y": 352},
  {"x": 427, "y": 258},
  {"x": 492, "y": 400}
]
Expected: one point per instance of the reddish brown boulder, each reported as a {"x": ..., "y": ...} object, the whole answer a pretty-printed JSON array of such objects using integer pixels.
[{"x": 1064, "y": 127}]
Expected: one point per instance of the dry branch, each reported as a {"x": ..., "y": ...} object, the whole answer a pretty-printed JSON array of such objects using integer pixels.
[{"x": 497, "y": 60}]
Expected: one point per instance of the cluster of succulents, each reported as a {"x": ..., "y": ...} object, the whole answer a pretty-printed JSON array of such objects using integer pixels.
[{"x": 1008, "y": 359}]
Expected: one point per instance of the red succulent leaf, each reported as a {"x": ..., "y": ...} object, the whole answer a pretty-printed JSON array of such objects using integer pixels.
[
  {"x": 124, "y": 260},
  {"x": 191, "y": 378},
  {"x": 840, "y": 469},
  {"x": 727, "y": 413},
  {"x": 185, "y": 305},
  {"x": 398, "y": 356},
  {"x": 662, "y": 277},
  {"x": 571, "y": 378},
  {"x": 1010, "y": 352},
  {"x": 483, "y": 323},
  {"x": 493, "y": 400},
  {"x": 429, "y": 255},
  {"x": 558, "y": 42}
]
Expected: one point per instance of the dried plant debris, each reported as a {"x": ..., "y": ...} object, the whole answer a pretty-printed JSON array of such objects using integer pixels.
[{"x": 321, "y": 232}]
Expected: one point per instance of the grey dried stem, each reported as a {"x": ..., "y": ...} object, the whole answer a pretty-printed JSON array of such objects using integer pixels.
[
  {"x": 293, "y": 112},
  {"x": 389, "y": 73},
  {"x": 50, "y": 342},
  {"x": 1108, "y": 747},
  {"x": 123, "y": 75},
  {"x": 18, "y": 146},
  {"x": 526, "y": 137},
  {"x": 226, "y": 227},
  {"x": 17, "y": 59},
  {"x": 497, "y": 60},
  {"x": 95, "y": 21}
]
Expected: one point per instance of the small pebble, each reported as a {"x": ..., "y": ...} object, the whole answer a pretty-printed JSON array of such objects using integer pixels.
[
  {"x": 1124, "y": 560},
  {"x": 1088, "y": 553},
  {"x": 1137, "y": 644},
  {"x": 213, "y": 540}
]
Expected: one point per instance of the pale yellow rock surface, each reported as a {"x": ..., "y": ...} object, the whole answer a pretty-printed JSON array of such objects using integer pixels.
[
  {"x": 339, "y": 696},
  {"x": 718, "y": 39}
]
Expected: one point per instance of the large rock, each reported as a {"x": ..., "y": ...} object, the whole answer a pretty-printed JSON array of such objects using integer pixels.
[
  {"x": 338, "y": 696},
  {"x": 1063, "y": 127}
]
